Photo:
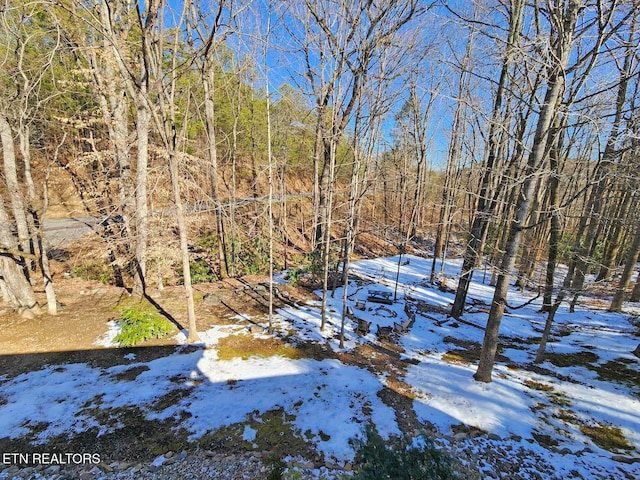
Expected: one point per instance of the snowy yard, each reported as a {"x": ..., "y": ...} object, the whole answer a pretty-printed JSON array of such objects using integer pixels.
[{"x": 547, "y": 417}]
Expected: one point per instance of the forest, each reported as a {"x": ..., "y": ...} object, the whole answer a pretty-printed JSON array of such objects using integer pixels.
[{"x": 216, "y": 139}]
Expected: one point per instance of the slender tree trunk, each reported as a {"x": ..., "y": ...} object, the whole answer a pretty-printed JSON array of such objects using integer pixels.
[
  {"x": 625, "y": 279},
  {"x": 635, "y": 294},
  {"x": 551, "y": 313},
  {"x": 141, "y": 215},
  {"x": 269, "y": 170},
  {"x": 349, "y": 238},
  {"x": 547, "y": 113},
  {"x": 327, "y": 171},
  {"x": 47, "y": 277},
  {"x": 326, "y": 222},
  {"x": 13, "y": 184},
  {"x": 234, "y": 163},
  {"x": 532, "y": 242},
  {"x": 254, "y": 148},
  {"x": 24, "y": 137},
  {"x": 614, "y": 238},
  {"x": 555, "y": 226},
  {"x": 485, "y": 207},
  {"x": 184, "y": 246},
  {"x": 212, "y": 157},
  {"x": 447, "y": 190},
  {"x": 316, "y": 236}
]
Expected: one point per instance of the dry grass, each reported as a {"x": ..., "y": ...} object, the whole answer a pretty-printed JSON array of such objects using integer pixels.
[
  {"x": 606, "y": 437},
  {"x": 245, "y": 346},
  {"x": 543, "y": 387}
]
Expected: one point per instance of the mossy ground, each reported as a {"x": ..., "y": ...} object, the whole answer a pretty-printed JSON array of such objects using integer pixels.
[
  {"x": 271, "y": 431},
  {"x": 245, "y": 346},
  {"x": 621, "y": 370},
  {"x": 607, "y": 437},
  {"x": 578, "y": 359}
]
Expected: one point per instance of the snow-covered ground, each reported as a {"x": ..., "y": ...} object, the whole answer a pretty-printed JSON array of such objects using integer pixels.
[{"x": 333, "y": 401}]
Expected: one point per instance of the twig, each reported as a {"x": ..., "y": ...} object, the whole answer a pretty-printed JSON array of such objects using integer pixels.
[{"x": 526, "y": 303}]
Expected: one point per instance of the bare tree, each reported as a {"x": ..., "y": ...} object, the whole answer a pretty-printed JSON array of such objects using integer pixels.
[
  {"x": 30, "y": 42},
  {"x": 486, "y": 203},
  {"x": 625, "y": 278},
  {"x": 165, "y": 62},
  {"x": 454, "y": 156},
  {"x": 15, "y": 287},
  {"x": 563, "y": 21},
  {"x": 340, "y": 42},
  {"x": 208, "y": 30},
  {"x": 419, "y": 118}
]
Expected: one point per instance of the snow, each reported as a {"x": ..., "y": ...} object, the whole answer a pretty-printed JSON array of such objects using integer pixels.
[
  {"x": 331, "y": 401},
  {"x": 107, "y": 339}
]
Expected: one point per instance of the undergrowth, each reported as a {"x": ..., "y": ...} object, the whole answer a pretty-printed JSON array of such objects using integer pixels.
[
  {"x": 404, "y": 459},
  {"x": 93, "y": 270},
  {"x": 139, "y": 323}
]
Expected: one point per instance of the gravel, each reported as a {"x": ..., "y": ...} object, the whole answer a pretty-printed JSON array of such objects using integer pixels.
[
  {"x": 170, "y": 466},
  {"x": 477, "y": 457}
]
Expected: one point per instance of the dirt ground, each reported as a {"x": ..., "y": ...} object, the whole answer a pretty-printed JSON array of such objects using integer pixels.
[{"x": 86, "y": 306}]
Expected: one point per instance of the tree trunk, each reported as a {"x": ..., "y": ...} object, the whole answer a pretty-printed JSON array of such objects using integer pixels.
[
  {"x": 485, "y": 206},
  {"x": 47, "y": 277},
  {"x": 316, "y": 234},
  {"x": 551, "y": 313},
  {"x": 16, "y": 286},
  {"x": 614, "y": 238},
  {"x": 326, "y": 221},
  {"x": 548, "y": 109},
  {"x": 269, "y": 174},
  {"x": 13, "y": 184},
  {"x": 237, "y": 108},
  {"x": 184, "y": 246},
  {"x": 25, "y": 150},
  {"x": 555, "y": 226},
  {"x": 141, "y": 215},
  {"x": 625, "y": 279},
  {"x": 534, "y": 237},
  {"x": 635, "y": 294},
  {"x": 212, "y": 157}
]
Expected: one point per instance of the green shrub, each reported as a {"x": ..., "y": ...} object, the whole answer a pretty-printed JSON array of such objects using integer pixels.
[
  {"x": 295, "y": 274},
  {"x": 278, "y": 467},
  {"x": 139, "y": 323},
  {"x": 207, "y": 241},
  {"x": 93, "y": 270},
  {"x": 311, "y": 265},
  {"x": 201, "y": 272},
  {"x": 403, "y": 459},
  {"x": 253, "y": 256}
]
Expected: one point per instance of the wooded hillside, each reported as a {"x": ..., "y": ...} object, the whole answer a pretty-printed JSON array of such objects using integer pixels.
[{"x": 224, "y": 138}]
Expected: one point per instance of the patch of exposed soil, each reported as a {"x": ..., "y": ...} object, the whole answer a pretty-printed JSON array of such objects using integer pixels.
[{"x": 86, "y": 306}]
